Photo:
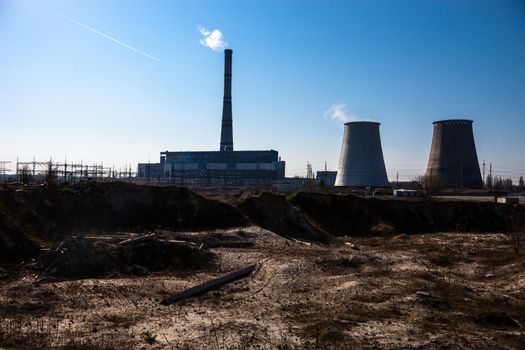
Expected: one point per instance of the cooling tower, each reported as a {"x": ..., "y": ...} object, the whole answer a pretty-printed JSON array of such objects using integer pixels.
[
  {"x": 226, "y": 127},
  {"x": 361, "y": 162},
  {"x": 453, "y": 161}
]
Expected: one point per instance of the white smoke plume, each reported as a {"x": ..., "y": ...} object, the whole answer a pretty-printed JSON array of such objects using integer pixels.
[
  {"x": 339, "y": 113},
  {"x": 214, "y": 39}
]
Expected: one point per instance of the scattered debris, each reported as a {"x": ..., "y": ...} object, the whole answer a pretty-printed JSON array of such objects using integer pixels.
[
  {"x": 77, "y": 257},
  {"x": 352, "y": 246},
  {"x": 209, "y": 285},
  {"x": 209, "y": 240},
  {"x": 423, "y": 294}
]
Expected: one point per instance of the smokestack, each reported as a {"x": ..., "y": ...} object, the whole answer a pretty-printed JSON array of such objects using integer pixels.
[
  {"x": 361, "y": 163},
  {"x": 453, "y": 161},
  {"x": 226, "y": 128}
]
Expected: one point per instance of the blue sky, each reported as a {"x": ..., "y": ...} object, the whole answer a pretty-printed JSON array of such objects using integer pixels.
[{"x": 67, "y": 91}]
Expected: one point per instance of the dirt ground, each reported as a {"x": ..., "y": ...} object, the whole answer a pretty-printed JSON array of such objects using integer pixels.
[
  {"x": 424, "y": 291},
  {"x": 490, "y": 199}
]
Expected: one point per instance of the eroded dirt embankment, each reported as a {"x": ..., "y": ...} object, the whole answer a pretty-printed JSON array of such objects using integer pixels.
[
  {"x": 45, "y": 216},
  {"x": 317, "y": 217},
  {"x": 112, "y": 206},
  {"x": 352, "y": 215}
]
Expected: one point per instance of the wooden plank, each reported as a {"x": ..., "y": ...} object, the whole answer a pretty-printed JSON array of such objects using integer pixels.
[
  {"x": 209, "y": 285},
  {"x": 140, "y": 239}
]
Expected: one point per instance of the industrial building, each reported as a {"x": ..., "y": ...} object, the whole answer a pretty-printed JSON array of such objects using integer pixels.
[
  {"x": 325, "y": 177},
  {"x": 361, "y": 162},
  {"x": 218, "y": 168},
  {"x": 453, "y": 161}
]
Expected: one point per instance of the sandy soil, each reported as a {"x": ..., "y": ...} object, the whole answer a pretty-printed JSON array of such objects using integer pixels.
[{"x": 359, "y": 293}]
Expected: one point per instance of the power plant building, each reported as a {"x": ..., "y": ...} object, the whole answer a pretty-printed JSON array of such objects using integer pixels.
[
  {"x": 361, "y": 162},
  {"x": 453, "y": 161},
  {"x": 325, "y": 177},
  {"x": 223, "y": 167}
]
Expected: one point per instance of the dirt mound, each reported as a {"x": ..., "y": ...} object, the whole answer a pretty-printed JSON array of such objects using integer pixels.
[
  {"x": 52, "y": 215},
  {"x": 352, "y": 215},
  {"x": 77, "y": 257},
  {"x": 275, "y": 213}
]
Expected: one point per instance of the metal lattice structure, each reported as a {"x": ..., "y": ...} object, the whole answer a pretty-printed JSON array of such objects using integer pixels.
[{"x": 71, "y": 171}]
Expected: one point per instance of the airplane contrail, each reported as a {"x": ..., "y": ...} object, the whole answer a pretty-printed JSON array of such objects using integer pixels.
[{"x": 102, "y": 34}]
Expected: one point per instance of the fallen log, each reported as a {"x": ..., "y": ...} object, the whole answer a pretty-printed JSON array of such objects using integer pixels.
[
  {"x": 179, "y": 243},
  {"x": 140, "y": 239},
  {"x": 209, "y": 285}
]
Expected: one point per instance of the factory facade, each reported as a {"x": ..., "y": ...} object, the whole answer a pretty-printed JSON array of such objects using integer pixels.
[
  {"x": 225, "y": 167},
  {"x": 242, "y": 168}
]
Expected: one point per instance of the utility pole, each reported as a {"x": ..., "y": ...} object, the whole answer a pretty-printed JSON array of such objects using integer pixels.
[
  {"x": 483, "y": 182},
  {"x": 65, "y": 169},
  {"x": 490, "y": 176}
]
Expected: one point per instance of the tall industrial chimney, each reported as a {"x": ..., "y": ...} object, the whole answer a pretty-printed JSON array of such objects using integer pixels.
[
  {"x": 226, "y": 128},
  {"x": 453, "y": 161},
  {"x": 361, "y": 163}
]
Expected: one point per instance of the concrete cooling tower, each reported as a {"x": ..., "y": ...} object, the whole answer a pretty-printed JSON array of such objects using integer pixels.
[
  {"x": 453, "y": 161},
  {"x": 361, "y": 163}
]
